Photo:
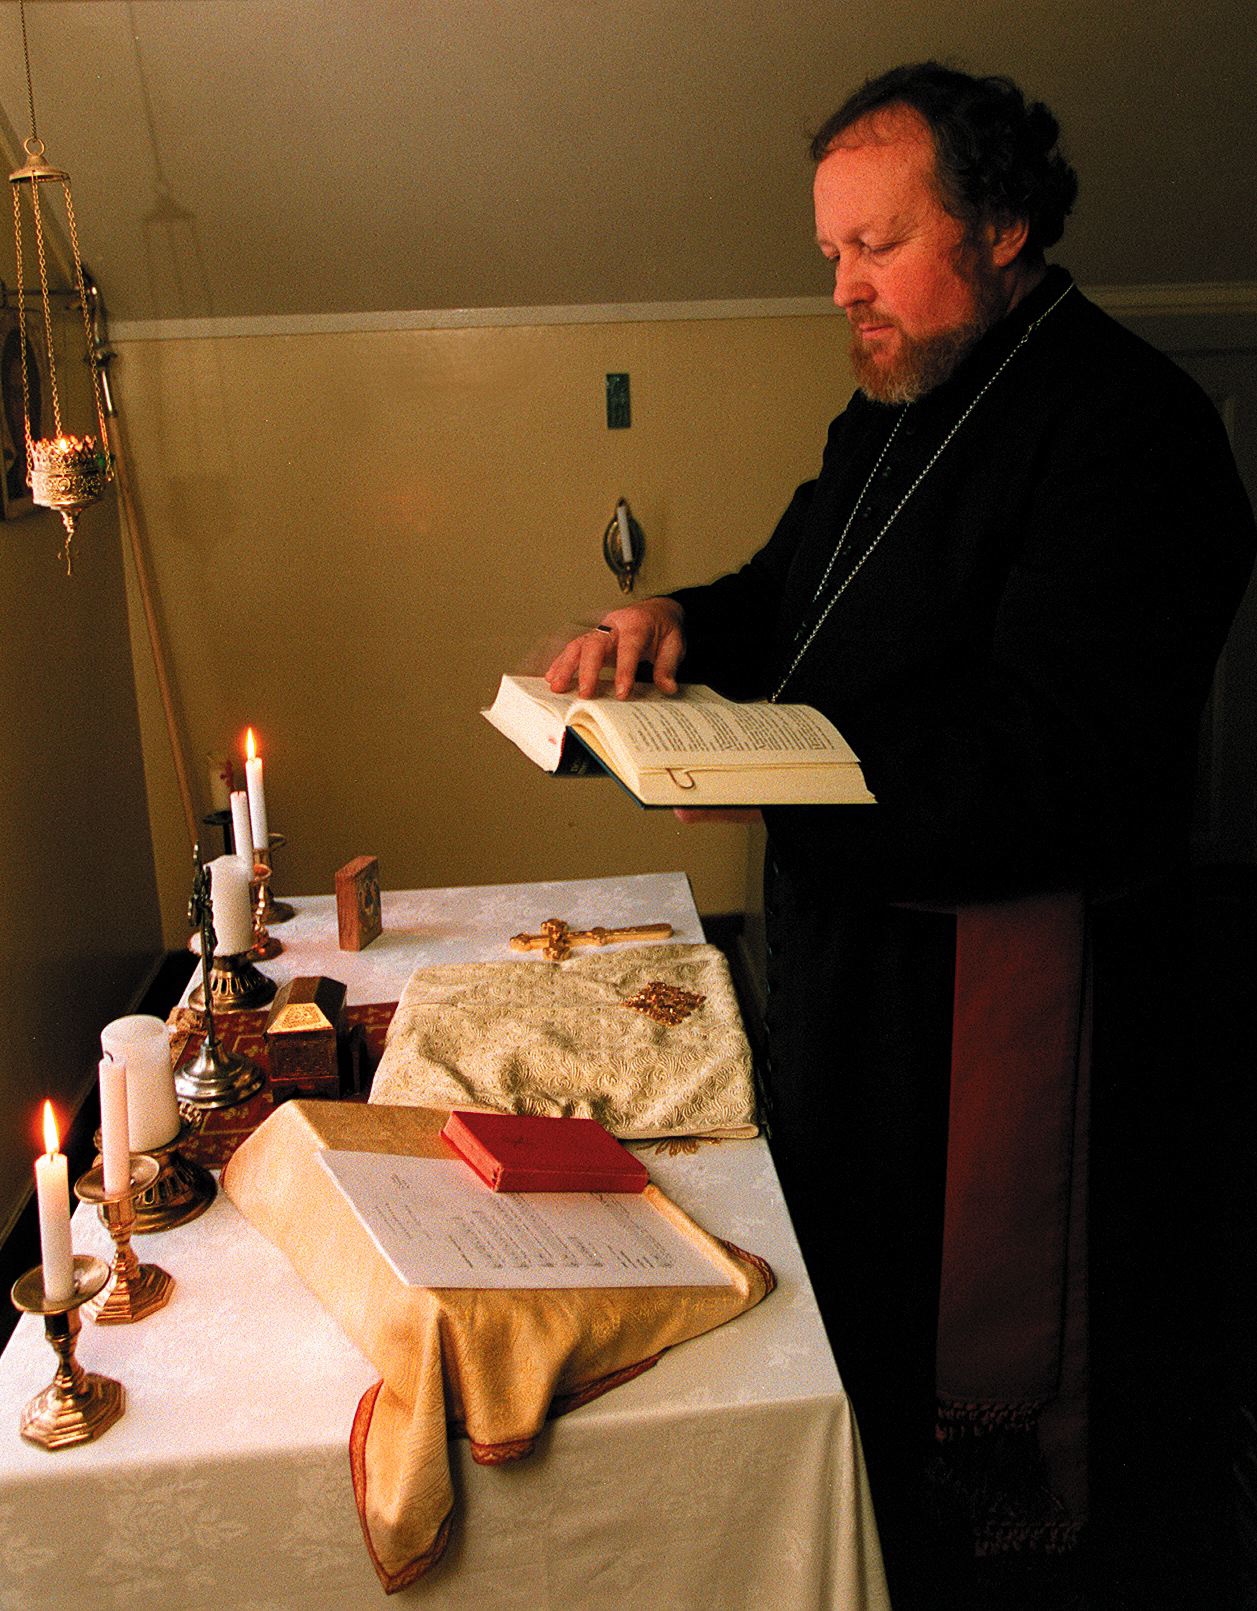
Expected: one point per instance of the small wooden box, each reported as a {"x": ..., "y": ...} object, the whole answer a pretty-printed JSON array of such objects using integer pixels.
[
  {"x": 358, "y": 918},
  {"x": 302, "y": 1037}
]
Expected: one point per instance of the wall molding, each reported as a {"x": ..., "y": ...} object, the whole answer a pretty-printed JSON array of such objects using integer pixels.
[
  {"x": 302, "y": 324},
  {"x": 1224, "y": 300}
]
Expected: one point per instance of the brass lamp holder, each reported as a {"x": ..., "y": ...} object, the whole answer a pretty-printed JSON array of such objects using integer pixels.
[
  {"x": 65, "y": 473},
  {"x": 68, "y": 475},
  {"x": 137, "y": 1289},
  {"x": 624, "y": 545},
  {"x": 77, "y": 1406}
]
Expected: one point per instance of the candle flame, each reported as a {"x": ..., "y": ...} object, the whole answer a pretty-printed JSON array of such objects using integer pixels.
[
  {"x": 250, "y": 748},
  {"x": 52, "y": 1141}
]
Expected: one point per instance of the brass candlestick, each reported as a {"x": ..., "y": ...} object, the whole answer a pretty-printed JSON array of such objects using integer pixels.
[
  {"x": 137, "y": 1289},
  {"x": 216, "y": 1078},
  {"x": 274, "y": 911},
  {"x": 265, "y": 945},
  {"x": 77, "y": 1406},
  {"x": 233, "y": 984},
  {"x": 182, "y": 1190}
]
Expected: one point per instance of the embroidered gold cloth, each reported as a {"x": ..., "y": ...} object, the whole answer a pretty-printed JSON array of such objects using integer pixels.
[
  {"x": 491, "y": 1365},
  {"x": 564, "y": 1038}
]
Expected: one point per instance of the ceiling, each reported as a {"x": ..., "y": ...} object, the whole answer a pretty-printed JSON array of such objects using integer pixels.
[{"x": 235, "y": 158}]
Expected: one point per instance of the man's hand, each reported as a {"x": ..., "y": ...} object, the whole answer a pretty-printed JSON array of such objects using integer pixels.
[{"x": 652, "y": 630}]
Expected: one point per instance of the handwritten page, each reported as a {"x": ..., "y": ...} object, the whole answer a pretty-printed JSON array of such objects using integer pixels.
[{"x": 438, "y": 1225}]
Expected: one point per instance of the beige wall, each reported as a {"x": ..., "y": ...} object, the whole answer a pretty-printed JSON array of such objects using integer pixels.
[
  {"x": 353, "y": 535},
  {"x": 78, "y": 912}
]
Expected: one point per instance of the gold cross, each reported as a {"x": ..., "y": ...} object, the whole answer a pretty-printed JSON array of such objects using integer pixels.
[{"x": 556, "y": 939}]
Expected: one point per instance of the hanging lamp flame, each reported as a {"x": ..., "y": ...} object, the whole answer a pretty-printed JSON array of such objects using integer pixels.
[{"x": 65, "y": 472}]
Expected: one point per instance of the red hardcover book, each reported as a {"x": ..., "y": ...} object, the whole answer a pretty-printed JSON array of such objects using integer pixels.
[{"x": 526, "y": 1152}]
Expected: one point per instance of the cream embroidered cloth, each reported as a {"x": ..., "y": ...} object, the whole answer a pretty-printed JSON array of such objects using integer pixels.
[
  {"x": 490, "y": 1364},
  {"x": 560, "y": 1038}
]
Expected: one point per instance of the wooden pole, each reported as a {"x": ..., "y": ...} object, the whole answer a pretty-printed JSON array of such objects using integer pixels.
[{"x": 131, "y": 524}]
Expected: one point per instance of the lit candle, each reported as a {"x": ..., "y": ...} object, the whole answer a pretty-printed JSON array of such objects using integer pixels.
[
  {"x": 115, "y": 1132},
  {"x": 257, "y": 794},
  {"x": 140, "y": 1044},
  {"x": 626, "y": 535},
  {"x": 233, "y": 913},
  {"x": 241, "y": 831},
  {"x": 52, "y": 1188}
]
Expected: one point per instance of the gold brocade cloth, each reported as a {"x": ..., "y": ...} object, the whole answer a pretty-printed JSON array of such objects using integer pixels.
[
  {"x": 592, "y": 1037},
  {"x": 492, "y": 1365}
]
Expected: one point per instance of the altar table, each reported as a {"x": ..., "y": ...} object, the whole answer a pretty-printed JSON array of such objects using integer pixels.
[{"x": 729, "y": 1476}]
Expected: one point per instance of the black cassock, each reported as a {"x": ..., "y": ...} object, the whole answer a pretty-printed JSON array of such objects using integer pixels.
[{"x": 1037, "y": 566}]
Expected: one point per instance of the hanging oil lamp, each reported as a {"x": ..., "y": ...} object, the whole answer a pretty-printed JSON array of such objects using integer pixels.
[{"x": 65, "y": 472}]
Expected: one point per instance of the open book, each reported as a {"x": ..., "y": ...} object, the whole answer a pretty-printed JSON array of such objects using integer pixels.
[{"x": 691, "y": 748}]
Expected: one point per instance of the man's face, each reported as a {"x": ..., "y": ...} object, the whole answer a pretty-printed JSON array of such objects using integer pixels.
[{"x": 917, "y": 289}]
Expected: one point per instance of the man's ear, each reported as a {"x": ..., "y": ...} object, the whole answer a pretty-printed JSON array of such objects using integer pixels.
[{"x": 1007, "y": 237}]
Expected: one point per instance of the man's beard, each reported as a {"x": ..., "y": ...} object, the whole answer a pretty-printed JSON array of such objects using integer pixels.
[{"x": 924, "y": 362}]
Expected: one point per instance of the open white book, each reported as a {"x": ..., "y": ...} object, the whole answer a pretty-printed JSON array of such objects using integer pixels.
[{"x": 691, "y": 748}]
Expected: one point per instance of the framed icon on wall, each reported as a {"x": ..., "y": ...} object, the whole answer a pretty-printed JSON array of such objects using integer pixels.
[{"x": 15, "y": 493}]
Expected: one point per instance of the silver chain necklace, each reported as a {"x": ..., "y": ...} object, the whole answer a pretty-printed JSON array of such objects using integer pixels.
[{"x": 933, "y": 460}]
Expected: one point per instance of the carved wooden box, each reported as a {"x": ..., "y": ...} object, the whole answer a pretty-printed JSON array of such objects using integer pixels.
[{"x": 302, "y": 1035}]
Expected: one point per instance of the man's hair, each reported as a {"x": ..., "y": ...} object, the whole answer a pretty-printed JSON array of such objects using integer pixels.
[{"x": 997, "y": 158}]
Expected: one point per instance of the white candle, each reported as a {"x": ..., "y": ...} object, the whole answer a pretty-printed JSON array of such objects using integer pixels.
[
  {"x": 626, "y": 535},
  {"x": 257, "y": 794},
  {"x": 241, "y": 829},
  {"x": 233, "y": 913},
  {"x": 218, "y": 770},
  {"x": 52, "y": 1188},
  {"x": 115, "y": 1133},
  {"x": 141, "y": 1044}
]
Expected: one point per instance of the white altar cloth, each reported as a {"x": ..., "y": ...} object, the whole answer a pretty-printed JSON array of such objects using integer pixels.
[
  {"x": 728, "y": 1476},
  {"x": 474, "y": 924}
]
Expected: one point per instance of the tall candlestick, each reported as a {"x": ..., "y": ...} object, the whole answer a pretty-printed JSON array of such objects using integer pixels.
[
  {"x": 257, "y": 794},
  {"x": 241, "y": 828},
  {"x": 52, "y": 1187},
  {"x": 233, "y": 913},
  {"x": 115, "y": 1134},
  {"x": 141, "y": 1044}
]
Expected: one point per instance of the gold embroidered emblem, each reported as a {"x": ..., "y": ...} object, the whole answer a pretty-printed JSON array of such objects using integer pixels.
[
  {"x": 676, "y": 1146},
  {"x": 665, "y": 1003}
]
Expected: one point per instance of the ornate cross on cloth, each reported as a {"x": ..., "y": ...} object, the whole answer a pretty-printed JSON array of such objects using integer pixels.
[{"x": 556, "y": 940}]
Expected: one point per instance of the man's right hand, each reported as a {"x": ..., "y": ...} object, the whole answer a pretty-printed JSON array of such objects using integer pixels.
[{"x": 653, "y": 630}]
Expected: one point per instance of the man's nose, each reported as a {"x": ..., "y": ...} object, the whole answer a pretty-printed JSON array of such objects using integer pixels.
[{"x": 851, "y": 285}]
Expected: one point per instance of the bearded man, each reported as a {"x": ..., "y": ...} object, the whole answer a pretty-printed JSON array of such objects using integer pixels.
[{"x": 1007, "y": 587}]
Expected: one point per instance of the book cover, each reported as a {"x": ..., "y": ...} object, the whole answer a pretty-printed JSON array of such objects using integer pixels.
[{"x": 528, "y": 1152}]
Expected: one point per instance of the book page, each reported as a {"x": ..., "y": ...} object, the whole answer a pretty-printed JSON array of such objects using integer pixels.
[
  {"x": 709, "y": 731},
  {"x": 439, "y": 1225}
]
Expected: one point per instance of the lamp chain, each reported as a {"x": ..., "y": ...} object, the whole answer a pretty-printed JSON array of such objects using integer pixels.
[
  {"x": 43, "y": 280},
  {"x": 30, "y": 92}
]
